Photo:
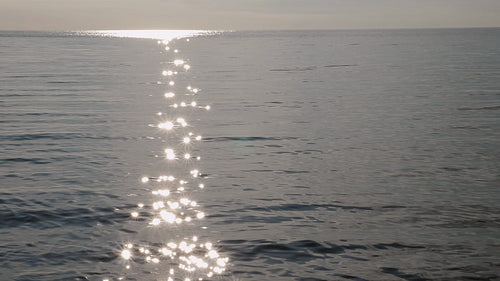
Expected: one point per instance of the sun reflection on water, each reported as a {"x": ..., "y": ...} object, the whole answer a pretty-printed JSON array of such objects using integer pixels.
[
  {"x": 164, "y": 36},
  {"x": 178, "y": 256}
]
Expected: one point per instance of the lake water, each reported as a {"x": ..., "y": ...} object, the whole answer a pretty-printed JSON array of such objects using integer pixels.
[{"x": 325, "y": 155}]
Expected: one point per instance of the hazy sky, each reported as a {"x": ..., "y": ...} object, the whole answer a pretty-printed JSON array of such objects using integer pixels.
[{"x": 245, "y": 14}]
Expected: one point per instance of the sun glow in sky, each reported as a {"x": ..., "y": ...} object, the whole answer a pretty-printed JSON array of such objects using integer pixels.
[{"x": 245, "y": 14}]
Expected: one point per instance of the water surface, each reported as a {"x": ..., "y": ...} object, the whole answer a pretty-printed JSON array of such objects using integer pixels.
[{"x": 326, "y": 155}]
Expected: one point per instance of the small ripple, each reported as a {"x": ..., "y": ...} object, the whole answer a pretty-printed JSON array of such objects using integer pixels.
[
  {"x": 497, "y": 107},
  {"x": 55, "y": 136},
  {"x": 44, "y": 219},
  {"x": 339, "y": 65},
  {"x": 294, "y": 69},
  {"x": 398, "y": 273},
  {"x": 218, "y": 139}
]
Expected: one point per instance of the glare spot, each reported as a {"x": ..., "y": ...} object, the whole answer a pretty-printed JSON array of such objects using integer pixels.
[
  {"x": 207, "y": 107},
  {"x": 178, "y": 62},
  {"x": 126, "y": 254},
  {"x": 167, "y": 216},
  {"x": 171, "y": 83},
  {"x": 193, "y": 103},
  {"x": 186, "y": 140},
  {"x": 198, "y": 138},
  {"x": 145, "y": 179},
  {"x": 170, "y": 154},
  {"x": 167, "y": 73},
  {"x": 140, "y": 205},
  {"x": 195, "y": 90},
  {"x": 181, "y": 121},
  {"x": 200, "y": 215},
  {"x": 134, "y": 214},
  {"x": 155, "y": 221},
  {"x": 183, "y": 246},
  {"x": 213, "y": 254},
  {"x": 221, "y": 262},
  {"x": 158, "y": 205},
  {"x": 167, "y": 48},
  {"x": 201, "y": 185},
  {"x": 166, "y": 125},
  {"x": 173, "y": 205},
  {"x": 166, "y": 252},
  {"x": 187, "y": 66},
  {"x": 176, "y": 51},
  {"x": 169, "y": 95},
  {"x": 183, "y": 104},
  {"x": 187, "y": 156},
  {"x": 164, "y": 192}
]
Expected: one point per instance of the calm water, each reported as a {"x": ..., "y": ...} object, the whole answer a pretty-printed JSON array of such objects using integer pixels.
[{"x": 326, "y": 155}]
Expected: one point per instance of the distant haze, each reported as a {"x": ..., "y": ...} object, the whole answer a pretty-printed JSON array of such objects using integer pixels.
[{"x": 246, "y": 14}]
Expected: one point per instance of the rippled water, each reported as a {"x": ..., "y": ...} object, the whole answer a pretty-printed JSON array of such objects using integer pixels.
[{"x": 326, "y": 155}]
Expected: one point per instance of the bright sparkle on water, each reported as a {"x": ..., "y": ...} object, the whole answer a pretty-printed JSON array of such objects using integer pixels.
[
  {"x": 126, "y": 254},
  {"x": 178, "y": 62},
  {"x": 166, "y": 125},
  {"x": 167, "y": 73},
  {"x": 170, "y": 154},
  {"x": 185, "y": 258}
]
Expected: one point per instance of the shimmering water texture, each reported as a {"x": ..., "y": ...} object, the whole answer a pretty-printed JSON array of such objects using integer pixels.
[{"x": 270, "y": 155}]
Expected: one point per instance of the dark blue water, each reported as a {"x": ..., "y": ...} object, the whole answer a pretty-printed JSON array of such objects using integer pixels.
[{"x": 326, "y": 155}]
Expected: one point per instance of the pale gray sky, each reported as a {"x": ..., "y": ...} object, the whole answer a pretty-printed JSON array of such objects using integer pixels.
[{"x": 245, "y": 14}]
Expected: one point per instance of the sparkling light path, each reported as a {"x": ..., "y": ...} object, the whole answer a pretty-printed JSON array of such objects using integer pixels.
[{"x": 187, "y": 258}]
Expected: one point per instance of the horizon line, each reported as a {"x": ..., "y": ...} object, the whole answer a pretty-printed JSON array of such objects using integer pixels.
[{"x": 251, "y": 30}]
